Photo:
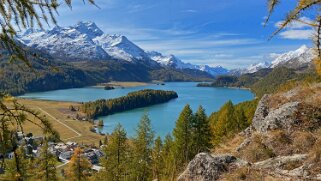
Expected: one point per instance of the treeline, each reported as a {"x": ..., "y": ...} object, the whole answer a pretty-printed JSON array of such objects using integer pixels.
[
  {"x": 132, "y": 100},
  {"x": 265, "y": 81}
]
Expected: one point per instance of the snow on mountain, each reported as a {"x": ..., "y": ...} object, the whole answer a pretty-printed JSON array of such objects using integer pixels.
[
  {"x": 258, "y": 66},
  {"x": 215, "y": 71},
  {"x": 74, "y": 42},
  {"x": 85, "y": 41},
  {"x": 174, "y": 62},
  {"x": 300, "y": 58},
  {"x": 303, "y": 55},
  {"x": 120, "y": 47}
]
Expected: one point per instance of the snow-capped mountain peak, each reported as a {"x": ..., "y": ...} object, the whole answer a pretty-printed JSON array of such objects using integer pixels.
[
  {"x": 88, "y": 28},
  {"x": 255, "y": 67},
  {"x": 296, "y": 59},
  {"x": 304, "y": 55},
  {"x": 86, "y": 41},
  {"x": 175, "y": 62}
]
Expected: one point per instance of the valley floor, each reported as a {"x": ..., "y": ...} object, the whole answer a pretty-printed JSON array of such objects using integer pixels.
[{"x": 63, "y": 121}]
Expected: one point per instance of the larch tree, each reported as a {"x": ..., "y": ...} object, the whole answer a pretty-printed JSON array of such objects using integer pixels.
[
  {"x": 301, "y": 9},
  {"x": 168, "y": 156},
  {"x": 142, "y": 150},
  {"x": 79, "y": 167},
  {"x": 45, "y": 165},
  {"x": 183, "y": 136},
  {"x": 18, "y": 168},
  {"x": 115, "y": 160},
  {"x": 202, "y": 134},
  {"x": 223, "y": 122},
  {"x": 158, "y": 162}
]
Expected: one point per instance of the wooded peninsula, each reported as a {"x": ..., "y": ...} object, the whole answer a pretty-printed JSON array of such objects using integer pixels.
[{"x": 133, "y": 100}]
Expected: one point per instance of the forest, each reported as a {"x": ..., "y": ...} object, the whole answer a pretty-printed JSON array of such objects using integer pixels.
[
  {"x": 264, "y": 81},
  {"x": 132, "y": 100}
]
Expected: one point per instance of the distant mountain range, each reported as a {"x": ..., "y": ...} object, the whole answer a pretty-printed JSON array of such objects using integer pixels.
[
  {"x": 299, "y": 59},
  {"x": 86, "y": 42}
]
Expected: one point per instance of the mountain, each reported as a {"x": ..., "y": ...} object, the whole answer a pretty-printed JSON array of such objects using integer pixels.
[
  {"x": 299, "y": 59},
  {"x": 86, "y": 42},
  {"x": 172, "y": 61},
  {"x": 294, "y": 59}
]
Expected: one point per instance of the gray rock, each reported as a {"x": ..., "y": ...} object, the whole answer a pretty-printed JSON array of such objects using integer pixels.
[
  {"x": 261, "y": 112},
  {"x": 205, "y": 167},
  {"x": 280, "y": 118},
  {"x": 274, "y": 163}
]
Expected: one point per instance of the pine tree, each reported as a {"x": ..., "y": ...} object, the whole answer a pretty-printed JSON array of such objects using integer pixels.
[
  {"x": 46, "y": 165},
  {"x": 79, "y": 167},
  {"x": 142, "y": 150},
  {"x": 115, "y": 161},
  {"x": 202, "y": 134},
  {"x": 183, "y": 137},
  {"x": 158, "y": 162}
]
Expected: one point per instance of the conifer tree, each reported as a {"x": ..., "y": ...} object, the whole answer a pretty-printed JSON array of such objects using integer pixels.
[
  {"x": 79, "y": 167},
  {"x": 183, "y": 137},
  {"x": 18, "y": 167},
  {"x": 202, "y": 134},
  {"x": 46, "y": 165},
  {"x": 241, "y": 119},
  {"x": 158, "y": 162},
  {"x": 223, "y": 122},
  {"x": 168, "y": 156},
  {"x": 142, "y": 150},
  {"x": 115, "y": 161}
]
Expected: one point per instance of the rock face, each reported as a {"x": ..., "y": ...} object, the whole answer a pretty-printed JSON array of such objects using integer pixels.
[
  {"x": 205, "y": 167},
  {"x": 280, "y": 118},
  {"x": 261, "y": 112}
]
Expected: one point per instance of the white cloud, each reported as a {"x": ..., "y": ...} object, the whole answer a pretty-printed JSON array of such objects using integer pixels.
[
  {"x": 189, "y": 11},
  {"x": 297, "y": 30},
  {"x": 297, "y": 24},
  {"x": 297, "y": 34}
]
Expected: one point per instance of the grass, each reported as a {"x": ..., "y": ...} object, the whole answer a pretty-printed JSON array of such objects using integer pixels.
[{"x": 68, "y": 128}]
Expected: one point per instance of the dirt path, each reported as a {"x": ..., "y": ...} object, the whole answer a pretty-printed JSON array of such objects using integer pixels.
[{"x": 73, "y": 130}]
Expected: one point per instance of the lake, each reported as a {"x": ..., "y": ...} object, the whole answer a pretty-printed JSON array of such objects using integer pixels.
[{"x": 163, "y": 116}]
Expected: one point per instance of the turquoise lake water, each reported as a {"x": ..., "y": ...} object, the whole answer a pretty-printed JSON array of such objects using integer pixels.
[{"x": 163, "y": 116}]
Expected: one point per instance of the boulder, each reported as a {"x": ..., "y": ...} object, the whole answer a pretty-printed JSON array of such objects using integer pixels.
[
  {"x": 280, "y": 118},
  {"x": 205, "y": 167},
  {"x": 261, "y": 112}
]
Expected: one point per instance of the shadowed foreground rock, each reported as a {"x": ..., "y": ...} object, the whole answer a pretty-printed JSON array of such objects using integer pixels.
[{"x": 205, "y": 167}]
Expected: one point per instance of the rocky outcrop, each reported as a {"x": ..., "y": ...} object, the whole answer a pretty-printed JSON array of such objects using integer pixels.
[
  {"x": 277, "y": 162},
  {"x": 280, "y": 118},
  {"x": 205, "y": 167},
  {"x": 261, "y": 112}
]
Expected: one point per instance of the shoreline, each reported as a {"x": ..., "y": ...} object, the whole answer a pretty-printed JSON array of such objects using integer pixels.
[{"x": 122, "y": 84}]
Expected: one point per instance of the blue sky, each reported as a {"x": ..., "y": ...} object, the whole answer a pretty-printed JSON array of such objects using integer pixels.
[{"x": 214, "y": 32}]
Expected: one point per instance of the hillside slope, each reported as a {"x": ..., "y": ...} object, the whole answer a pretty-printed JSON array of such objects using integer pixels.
[{"x": 282, "y": 143}]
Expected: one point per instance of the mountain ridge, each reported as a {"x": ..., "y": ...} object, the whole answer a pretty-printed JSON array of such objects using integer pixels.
[{"x": 85, "y": 41}]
